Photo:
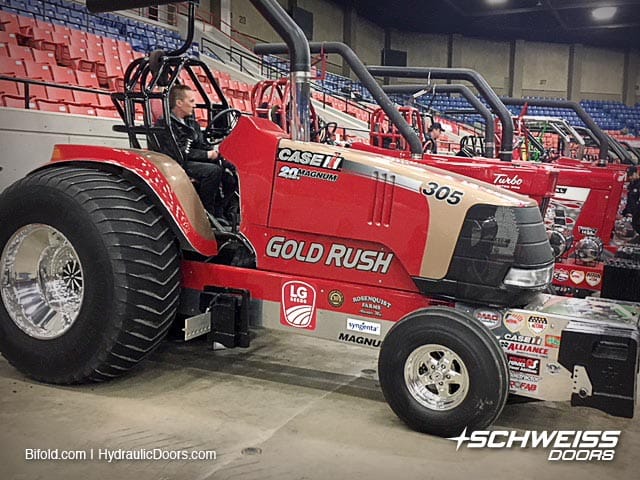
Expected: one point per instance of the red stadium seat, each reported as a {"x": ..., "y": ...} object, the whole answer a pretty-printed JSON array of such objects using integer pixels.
[
  {"x": 57, "y": 41},
  {"x": 104, "y": 102},
  {"x": 44, "y": 56},
  {"x": 108, "y": 71},
  {"x": 37, "y": 91},
  {"x": 60, "y": 95},
  {"x": 78, "y": 38},
  {"x": 13, "y": 67},
  {"x": 57, "y": 28},
  {"x": 20, "y": 51},
  {"x": 39, "y": 36},
  {"x": 38, "y": 71},
  {"x": 82, "y": 110},
  {"x": 47, "y": 106},
  {"x": 70, "y": 56},
  {"x": 64, "y": 75},
  {"x": 87, "y": 79},
  {"x": 6, "y": 37},
  {"x": 85, "y": 98},
  {"x": 106, "y": 112},
  {"x": 94, "y": 57},
  {"x": 11, "y": 88},
  {"x": 16, "y": 102},
  {"x": 26, "y": 25},
  {"x": 9, "y": 22}
]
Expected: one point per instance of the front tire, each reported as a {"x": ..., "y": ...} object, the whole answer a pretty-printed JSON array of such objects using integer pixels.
[
  {"x": 89, "y": 275},
  {"x": 441, "y": 372}
]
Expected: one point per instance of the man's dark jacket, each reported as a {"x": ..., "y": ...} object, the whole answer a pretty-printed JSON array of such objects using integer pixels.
[{"x": 190, "y": 141}]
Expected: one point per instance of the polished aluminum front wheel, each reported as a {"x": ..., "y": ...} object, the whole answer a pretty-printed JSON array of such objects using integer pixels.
[
  {"x": 41, "y": 281},
  {"x": 436, "y": 377}
]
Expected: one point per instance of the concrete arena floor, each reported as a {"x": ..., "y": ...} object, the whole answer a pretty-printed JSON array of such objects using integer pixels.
[{"x": 288, "y": 408}]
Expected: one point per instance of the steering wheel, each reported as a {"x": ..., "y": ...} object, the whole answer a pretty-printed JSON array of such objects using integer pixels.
[
  {"x": 428, "y": 145},
  {"x": 215, "y": 134},
  {"x": 325, "y": 131}
]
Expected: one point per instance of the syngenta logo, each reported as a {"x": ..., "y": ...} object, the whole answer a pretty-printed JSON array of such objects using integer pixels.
[
  {"x": 565, "y": 445},
  {"x": 363, "y": 326}
]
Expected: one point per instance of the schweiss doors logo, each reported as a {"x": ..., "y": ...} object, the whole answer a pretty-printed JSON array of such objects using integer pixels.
[
  {"x": 565, "y": 445},
  {"x": 298, "y": 305}
]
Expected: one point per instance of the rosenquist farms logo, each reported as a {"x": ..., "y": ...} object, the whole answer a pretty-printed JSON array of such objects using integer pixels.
[{"x": 298, "y": 305}]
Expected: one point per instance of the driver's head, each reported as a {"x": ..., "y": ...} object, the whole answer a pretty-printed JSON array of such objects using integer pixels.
[
  {"x": 182, "y": 101},
  {"x": 435, "y": 130}
]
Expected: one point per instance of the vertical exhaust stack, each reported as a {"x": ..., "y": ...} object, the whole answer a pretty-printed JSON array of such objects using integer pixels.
[{"x": 300, "y": 72}]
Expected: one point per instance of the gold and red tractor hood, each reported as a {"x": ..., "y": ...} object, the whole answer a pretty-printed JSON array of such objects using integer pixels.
[{"x": 483, "y": 243}]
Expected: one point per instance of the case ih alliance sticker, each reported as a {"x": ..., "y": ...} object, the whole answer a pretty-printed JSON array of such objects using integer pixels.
[
  {"x": 537, "y": 324},
  {"x": 298, "y": 305},
  {"x": 336, "y": 255},
  {"x": 311, "y": 159},
  {"x": 513, "y": 321}
]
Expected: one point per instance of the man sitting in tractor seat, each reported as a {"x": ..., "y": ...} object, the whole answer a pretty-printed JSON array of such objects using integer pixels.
[
  {"x": 431, "y": 138},
  {"x": 216, "y": 177}
]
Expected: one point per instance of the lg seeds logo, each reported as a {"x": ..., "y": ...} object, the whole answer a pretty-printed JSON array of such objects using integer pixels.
[
  {"x": 565, "y": 445},
  {"x": 298, "y": 305}
]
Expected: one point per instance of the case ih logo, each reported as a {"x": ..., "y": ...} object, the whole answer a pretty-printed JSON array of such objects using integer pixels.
[
  {"x": 320, "y": 160},
  {"x": 524, "y": 364},
  {"x": 298, "y": 305},
  {"x": 505, "y": 180}
]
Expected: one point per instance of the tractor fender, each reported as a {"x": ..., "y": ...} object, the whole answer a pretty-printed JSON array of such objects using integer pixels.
[{"x": 164, "y": 178}]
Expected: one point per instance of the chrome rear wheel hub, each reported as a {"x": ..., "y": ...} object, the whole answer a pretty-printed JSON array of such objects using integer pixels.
[{"x": 41, "y": 281}]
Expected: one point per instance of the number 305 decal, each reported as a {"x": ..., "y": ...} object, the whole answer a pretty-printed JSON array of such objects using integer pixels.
[{"x": 443, "y": 192}]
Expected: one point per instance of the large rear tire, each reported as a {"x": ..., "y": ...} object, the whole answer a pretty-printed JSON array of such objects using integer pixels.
[
  {"x": 442, "y": 371},
  {"x": 89, "y": 275}
]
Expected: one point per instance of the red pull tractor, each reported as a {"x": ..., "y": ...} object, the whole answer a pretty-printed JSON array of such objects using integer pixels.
[{"x": 102, "y": 249}]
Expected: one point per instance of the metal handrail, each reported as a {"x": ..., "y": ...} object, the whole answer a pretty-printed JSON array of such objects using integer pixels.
[{"x": 28, "y": 82}]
